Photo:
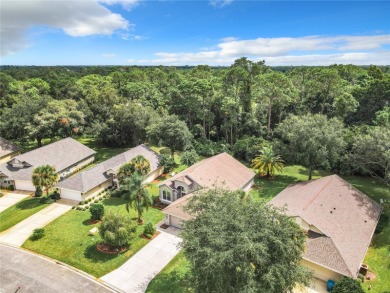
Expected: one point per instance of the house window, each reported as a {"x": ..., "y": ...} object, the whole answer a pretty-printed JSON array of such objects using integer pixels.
[
  {"x": 181, "y": 191},
  {"x": 166, "y": 195}
]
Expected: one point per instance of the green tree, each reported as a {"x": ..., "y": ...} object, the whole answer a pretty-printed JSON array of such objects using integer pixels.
[
  {"x": 267, "y": 162},
  {"x": 117, "y": 229},
  {"x": 189, "y": 158},
  {"x": 311, "y": 140},
  {"x": 347, "y": 285},
  {"x": 236, "y": 245},
  {"x": 141, "y": 165},
  {"x": 171, "y": 132},
  {"x": 45, "y": 177},
  {"x": 97, "y": 211},
  {"x": 136, "y": 195}
]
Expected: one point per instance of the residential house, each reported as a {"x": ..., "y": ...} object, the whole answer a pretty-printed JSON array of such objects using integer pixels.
[
  {"x": 66, "y": 156},
  {"x": 218, "y": 171},
  {"x": 339, "y": 221},
  {"x": 91, "y": 182},
  {"x": 8, "y": 150}
]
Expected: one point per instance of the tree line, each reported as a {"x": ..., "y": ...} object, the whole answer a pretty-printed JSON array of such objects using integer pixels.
[{"x": 334, "y": 117}]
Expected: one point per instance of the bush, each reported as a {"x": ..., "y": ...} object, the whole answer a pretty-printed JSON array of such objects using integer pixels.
[
  {"x": 189, "y": 158},
  {"x": 149, "y": 230},
  {"x": 210, "y": 148},
  {"x": 11, "y": 187},
  {"x": 117, "y": 229},
  {"x": 38, "y": 191},
  {"x": 347, "y": 285},
  {"x": 37, "y": 234},
  {"x": 1, "y": 194},
  {"x": 96, "y": 200},
  {"x": 167, "y": 162},
  {"x": 248, "y": 147},
  {"x": 46, "y": 199},
  {"x": 97, "y": 211}
]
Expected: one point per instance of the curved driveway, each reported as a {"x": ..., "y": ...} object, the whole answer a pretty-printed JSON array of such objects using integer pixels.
[{"x": 32, "y": 273}]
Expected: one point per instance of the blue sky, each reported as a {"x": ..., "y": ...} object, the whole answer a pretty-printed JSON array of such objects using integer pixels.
[{"x": 136, "y": 32}]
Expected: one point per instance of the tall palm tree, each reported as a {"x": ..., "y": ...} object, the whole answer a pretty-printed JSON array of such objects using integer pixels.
[
  {"x": 141, "y": 165},
  {"x": 136, "y": 195},
  {"x": 45, "y": 177},
  {"x": 268, "y": 162}
]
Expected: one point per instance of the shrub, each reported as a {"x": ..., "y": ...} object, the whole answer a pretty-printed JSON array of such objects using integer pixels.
[
  {"x": 46, "y": 199},
  {"x": 97, "y": 211},
  {"x": 248, "y": 147},
  {"x": 209, "y": 148},
  {"x": 96, "y": 200},
  {"x": 347, "y": 285},
  {"x": 37, "y": 234},
  {"x": 149, "y": 230},
  {"x": 167, "y": 162},
  {"x": 189, "y": 158},
  {"x": 117, "y": 229},
  {"x": 1, "y": 194},
  {"x": 11, "y": 187},
  {"x": 38, "y": 191}
]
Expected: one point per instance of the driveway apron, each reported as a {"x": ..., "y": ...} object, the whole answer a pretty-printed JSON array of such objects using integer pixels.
[{"x": 135, "y": 274}]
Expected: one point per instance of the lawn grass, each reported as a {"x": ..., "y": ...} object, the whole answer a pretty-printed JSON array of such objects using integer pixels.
[
  {"x": 102, "y": 152},
  {"x": 378, "y": 256},
  {"x": 66, "y": 239},
  {"x": 20, "y": 211}
]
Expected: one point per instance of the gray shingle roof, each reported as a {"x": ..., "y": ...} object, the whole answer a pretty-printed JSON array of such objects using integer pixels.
[
  {"x": 345, "y": 215},
  {"x": 88, "y": 179},
  {"x": 7, "y": 147},
  {"x": 61, "y": 155}
]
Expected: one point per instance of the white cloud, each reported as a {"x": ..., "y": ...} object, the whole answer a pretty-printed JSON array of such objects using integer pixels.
[
  {"x": 220, "y": 3},
  {"x": 127, "y": 4},
  {"x": 310, "y": 50},
  {"x": 108, "y": 55},
  {"x": 75, "y": 18}
]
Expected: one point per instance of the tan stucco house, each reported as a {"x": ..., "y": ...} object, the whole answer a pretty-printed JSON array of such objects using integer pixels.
[
  {"x": 91, "y": 182},
  {"x": 8, "y": 150},
  {"x": 66, "y": 156},
  {"x": 221, "y": 170},
  {"x": 339, "y": 221}
]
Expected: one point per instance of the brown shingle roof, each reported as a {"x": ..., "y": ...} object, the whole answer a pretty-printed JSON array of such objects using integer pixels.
[
  {"x": 7, "y": 147},
  {"x": 176, "y": 208},
  {"x": 221, "y": 170},
  {"x": 88, "y": 179},
  {"x": 344, "y": 214},
  {"x": 61, "y": 154}
]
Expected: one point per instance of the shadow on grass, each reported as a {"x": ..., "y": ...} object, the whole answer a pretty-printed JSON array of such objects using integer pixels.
[
  {"x": 29, "y": 203},
  {"x": 92, "y": 253},
  {"x": 172, "y": 282},
  {"x": 114, "y": 201}
]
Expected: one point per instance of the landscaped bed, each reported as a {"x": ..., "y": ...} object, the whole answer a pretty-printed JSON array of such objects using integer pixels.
[
  {"x": 66, "y": 239},
  {"x": 175, "y": 277},
  {"x": 20, "y": 211}
]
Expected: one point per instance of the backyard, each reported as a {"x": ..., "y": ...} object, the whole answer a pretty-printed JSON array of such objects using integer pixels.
[{"x": 175, "y": 277}]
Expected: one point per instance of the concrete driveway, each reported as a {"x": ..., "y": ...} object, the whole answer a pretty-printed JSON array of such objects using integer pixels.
[
  {"x": 12, "y": 197},
  {"x": 19, "y": 233},
  {"x": 135, "y": 274},
  {"x": 32, "y": 273}
]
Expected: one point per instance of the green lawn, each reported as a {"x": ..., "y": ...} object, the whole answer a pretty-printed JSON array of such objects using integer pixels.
[
  {"x": 175, "y": 277},
  {"x": 19, "y": 211},
  {"x": 102, "y": 152},
  {"x": 67, "y": 240}
]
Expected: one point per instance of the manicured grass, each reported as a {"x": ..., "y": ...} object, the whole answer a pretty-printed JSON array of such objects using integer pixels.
[
  {"x": 20, "y": 211},
  {"x": 102, "y": 152},
  {"x": 67, "y": 240},
  {"x": 378, "y": 256}
]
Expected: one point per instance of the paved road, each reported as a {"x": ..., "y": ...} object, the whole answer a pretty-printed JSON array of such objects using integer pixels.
[
  {"x": 12, "y": 198},
  {"x": 32, "y": 273},
  {"x": 19, "y": 233},
  {"x": 135, "y": 274}
]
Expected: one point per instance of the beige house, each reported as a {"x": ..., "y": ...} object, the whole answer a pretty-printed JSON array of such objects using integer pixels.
[
  {"x": 8, "y": 150},
  {"x": 218, "y": 171},
  {"x": 66, "y": 156},
  {"x": 91, "y": 182},
  {"x": 339, "y": 221}
]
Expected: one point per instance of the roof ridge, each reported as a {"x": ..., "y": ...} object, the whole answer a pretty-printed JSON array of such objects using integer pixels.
[
  {"x": 341, "y": 256},
  {"x": 318, "y": 193}
]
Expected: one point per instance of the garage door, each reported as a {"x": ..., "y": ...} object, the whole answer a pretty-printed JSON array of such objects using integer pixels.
[
  {"x": 70, "y": 194},
  {"x": 24, "y": 185},
  {"x": 176, "y": 222}
]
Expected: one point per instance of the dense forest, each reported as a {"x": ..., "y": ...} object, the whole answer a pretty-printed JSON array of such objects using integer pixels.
[{"x": 335, "y": 117}]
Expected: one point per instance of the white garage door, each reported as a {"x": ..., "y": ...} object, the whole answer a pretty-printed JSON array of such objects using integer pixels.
[
  {"x": 70, "y": 194},
  {"x": 176, "y": 222},
  {"x": 24, "y": 185}
]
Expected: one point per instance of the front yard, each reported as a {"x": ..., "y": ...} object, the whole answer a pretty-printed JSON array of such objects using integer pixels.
[
  {"x": 175, "y": 277},
  {"x": 66, "y": 239},
  {"x": 20, "y": 211}
]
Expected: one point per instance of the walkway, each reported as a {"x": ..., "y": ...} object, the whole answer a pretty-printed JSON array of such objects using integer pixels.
[
  {"x": 32, "y": 273},
  {"x": 135, "y": 275},
  {"x": 19, "y": 233},
  {"x": 12, "y": 197}
]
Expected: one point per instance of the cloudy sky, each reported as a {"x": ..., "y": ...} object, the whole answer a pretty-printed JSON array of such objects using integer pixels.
[{"x": 214, "y": 32}]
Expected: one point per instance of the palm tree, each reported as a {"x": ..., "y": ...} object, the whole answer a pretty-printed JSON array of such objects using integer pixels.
[
  {"x": 45, "y": 177},
  {"x": 267, "y": 162},
  {"x": 141, "y": 165},
  {"x": 136, "y": 195}
]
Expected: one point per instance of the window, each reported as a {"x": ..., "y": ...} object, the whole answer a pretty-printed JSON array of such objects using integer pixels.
[
  {"x": 166, "y": 195},
  {"x": 181, "y": 191}
]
